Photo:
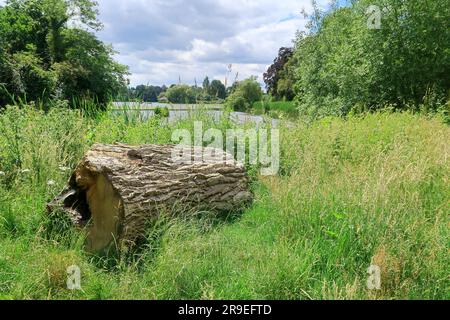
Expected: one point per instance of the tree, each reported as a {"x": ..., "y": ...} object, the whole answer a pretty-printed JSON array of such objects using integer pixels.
[
  {"x": 206, "y": 85},
  {"x": 277, "y": 71},
  {"x": 42, "y": 57},
  {"x": 343, "y": 64},
  {"x": 250, "y": 90},
  {"x": 217, "y": 89},
  {"x": 146, "y": 93},
  {"x": 245, "y": 94},
  {"x": 286, "y": 82},
  {"x": 88, "y": 70},
  {"x": 30, "y": 77},
  {"x": 163, "y": 97},
  {"x": 181, "y": 94}
]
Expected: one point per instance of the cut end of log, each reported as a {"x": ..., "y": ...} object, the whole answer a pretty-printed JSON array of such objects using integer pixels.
[
  {"x": 105, "y": 207},
  {"x": 117, "y": 189}
]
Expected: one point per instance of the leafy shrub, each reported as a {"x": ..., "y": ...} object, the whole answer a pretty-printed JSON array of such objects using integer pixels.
[
  {"x": 162, "y": 112},
  {"x": 238, "y": 103},
  {"x": 244, "y": 95},
  {"x": 181, "y": 94}
]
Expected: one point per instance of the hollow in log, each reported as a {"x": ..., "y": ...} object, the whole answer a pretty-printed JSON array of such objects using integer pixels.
[{"x": 117, "y": 189}]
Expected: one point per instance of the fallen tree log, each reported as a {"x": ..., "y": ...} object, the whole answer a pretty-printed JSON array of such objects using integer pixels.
[{"x": 117, "y": 189}]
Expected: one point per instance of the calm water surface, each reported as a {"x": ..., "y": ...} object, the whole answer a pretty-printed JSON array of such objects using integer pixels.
[{"x": 181, "y": 112}]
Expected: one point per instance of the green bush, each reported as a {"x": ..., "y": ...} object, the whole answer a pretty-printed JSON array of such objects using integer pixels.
[
  {"x": 237, "y": 103},
  {"x": 162, "y": 112},
  {"x": 244, "y": 95},
  {"x": 181, "y": 94}
]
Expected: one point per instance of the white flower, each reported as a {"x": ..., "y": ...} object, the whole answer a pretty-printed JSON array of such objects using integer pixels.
[
  {"x": 2, "y": 174},
  {"x": 51, "y": 183},
  {"x": 63, "y": 169}
]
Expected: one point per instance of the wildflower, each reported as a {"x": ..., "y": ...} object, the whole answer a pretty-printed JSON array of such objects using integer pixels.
[
  {"x": 63, "y": 169},
  {"x": 51, "y": 183},
  {"x": 2, "y": 174}
]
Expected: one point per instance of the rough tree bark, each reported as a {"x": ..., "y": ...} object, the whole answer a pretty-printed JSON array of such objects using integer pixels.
[{"x": 118, "y": 189}]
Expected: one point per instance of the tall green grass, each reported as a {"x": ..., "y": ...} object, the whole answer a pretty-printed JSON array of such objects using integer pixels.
[
  {"x": 276, "y": 109},
  {"x": 367, "y": 190}
]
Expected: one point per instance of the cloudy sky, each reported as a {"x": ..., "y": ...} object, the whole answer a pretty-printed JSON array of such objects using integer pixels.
[{"x": 164, "y": 40}]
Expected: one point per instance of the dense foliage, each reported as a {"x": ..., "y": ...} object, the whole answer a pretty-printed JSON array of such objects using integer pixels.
[
  {"x": 145, "y": 93},
  {"x": 217, "y": 90},
  {"x": 181, "y": 94},
  {"x": 213, "y": 91},
  {"x": 244, "y": 95},
  {"x": 346, "y": 62},
  {"x": 278, "y": 78},
  {"x": 42, "y": 56}
]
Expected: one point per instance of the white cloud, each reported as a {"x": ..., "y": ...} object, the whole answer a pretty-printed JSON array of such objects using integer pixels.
[{"x": 162, "y": 40}]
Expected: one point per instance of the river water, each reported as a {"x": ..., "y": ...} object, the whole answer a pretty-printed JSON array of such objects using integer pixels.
[{"x": 179, "y": 112}]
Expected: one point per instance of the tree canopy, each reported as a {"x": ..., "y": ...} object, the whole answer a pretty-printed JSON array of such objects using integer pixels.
[
  {"x": 345, "y": 62},
  {"x": 181, "y": 93},
  {"x": 217, "y": 89},
  {"x": 146, "y": 93},
  {"x": 42, "y": 56},
  {"x": 245, "y": 94},
  {"x": 278, "y": 78}
]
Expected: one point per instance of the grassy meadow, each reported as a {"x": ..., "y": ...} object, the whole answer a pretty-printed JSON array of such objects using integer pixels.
[{"x": 369, "y": 189}]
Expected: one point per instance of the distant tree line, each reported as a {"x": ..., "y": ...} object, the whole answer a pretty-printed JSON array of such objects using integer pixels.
[
  {"x": 144, "y": 93},
  {"x": 213, "y": 91}
]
